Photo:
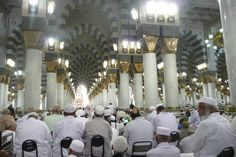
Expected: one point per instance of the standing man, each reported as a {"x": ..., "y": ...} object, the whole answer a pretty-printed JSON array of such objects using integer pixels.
[
  {"x": 213, "y": 133},
  {"x": 68, "y": 127},
  {"x": 98, "y": 126},
  {"x": 163, "y": 149}
]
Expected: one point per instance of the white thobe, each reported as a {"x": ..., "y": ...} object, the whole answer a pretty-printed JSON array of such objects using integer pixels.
[
  {"x": 68, "y": 127},
  {"x": 164, "y": 149},
  {"x": 52, "y": 120},
  {"x": 151, "y": 115},
  {"x": 165, "y": 119},
  {"x": 138, "y": 130},
  {"x": 36, "y": 130},
  {"x": 212, "y": 136},
  {"x": 194, "y": 119}
]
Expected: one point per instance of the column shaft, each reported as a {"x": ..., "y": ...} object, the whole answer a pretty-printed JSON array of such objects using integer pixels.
[
  {"x": 1, "y": 95},
  {"x": 104, "y": 97},
  {"x": 150, "y": 79},
  {"x": 20, "y": 99},
  {"x": 60, "y": 95},
  {"x": 228, "y": 20},
  {"x": 182, "y": 94},
  {"x": 5, "y": 98},
  {"x": 33, "y": 71},
  {"x": 124, "y": 90},
  {"x": 211, "y": 90},
  {"x": 51, "y": 89},
  {"x": 171, "y": 81},
  {"x": 112, "y": 94},
  {"x": 138, "y": 88},
  {"x": 205, "y": 89}
]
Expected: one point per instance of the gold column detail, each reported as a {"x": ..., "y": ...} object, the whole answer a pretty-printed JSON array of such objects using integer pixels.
[
  {"x": 138, "y": 67},
  {"x": 20, "y": 84},
  {"x": 32, "y": 38},
  {"x": 51, "y": 66},
  {"x": 112, "y": 78},
  {"x": 124, "y": 66},
  {"x": 2, "y": 78},
  {"x": 171, "y": 44},
  {"x": 151, "y": 42}
]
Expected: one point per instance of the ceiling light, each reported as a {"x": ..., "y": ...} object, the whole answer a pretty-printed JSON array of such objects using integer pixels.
[
  {"x": 62, "y": 44},
  {"x": 151, "y": 7},
  {"x": 211, "y": 36},
  {"x": 51, "y": 7},
  {"x": 134, "y": 14},
  {"x": 33, "y": 2}
]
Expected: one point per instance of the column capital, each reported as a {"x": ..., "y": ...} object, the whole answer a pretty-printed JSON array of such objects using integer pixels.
[
  {"x": 138, "y": 67},
  {"x": 151, "y": 42},
  {"x": 2, "y": 78},
  {"x": 170, "y": 45},
  {"x": 51, "y": 66},
  {"x": 20, "y": 83},
  {"x": 112, "y": 78},
  {"x": 32, "y": 38},
  {"x": 124, "y": 66},
  {"x": 60, "y": 75}
]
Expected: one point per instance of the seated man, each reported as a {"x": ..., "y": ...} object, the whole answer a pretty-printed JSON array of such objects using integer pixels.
[
  {"x": 163, "y": 149},
  {"x": 76, "y": 149},
  {"x": 214, "y": 133},
  {"x": 138, "y": 129}
]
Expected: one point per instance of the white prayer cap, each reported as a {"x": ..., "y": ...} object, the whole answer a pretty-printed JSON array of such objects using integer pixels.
[
  {"x": 77, "y": 146},
  {"x": 69, "y": 109},
  {"x": 151, "y": 108},
  {"x": 120, "y": 144},
  {"x": 33, "y": 114},
  {"x": 208, "y": 100},
  {"x": 80, "y": 113},
  {"x": 113, "y": 117},
  {"x": 107, "y": 112},
  {"x": 163, "y": 131},
  {"x": 99, "y": 110}
]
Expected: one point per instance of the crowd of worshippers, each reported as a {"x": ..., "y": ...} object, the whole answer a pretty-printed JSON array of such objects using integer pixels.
[{"x": 110, "y": 132}]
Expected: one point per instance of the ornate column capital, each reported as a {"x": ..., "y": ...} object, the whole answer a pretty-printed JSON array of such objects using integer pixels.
[
  {"x": 32, "y": 38},
  {"x": 2, "y": 78},
  {"x": 112, "y": 78},
  {"x": 124, "y": 66},
  {"x": 51, "y": 66},
  {"x": 151, "y": 42},
  {"x": 138, "y": 67},
  {"x": 170, "y": 45}
]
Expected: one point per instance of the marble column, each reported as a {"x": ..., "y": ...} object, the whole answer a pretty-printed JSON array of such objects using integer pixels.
[
  {"x": 219, "y": 99},
  {"x": 5, "y": 98},
  {"x": 104, "y": 97},
  {"x": 1, "y": 95},
  {"x": 211, "y": 90},
  {"x": 60, "y": 94},
  {"x": 33, "y": 71},
  {"x": 228, "y": 20},
  {"x": 138, "y": 89},
  {"x": 205, "y": 89},
  {"x": 164, "y": 93},
  {"x": 182, "y": 94},
  {"x": 20, "y": 98},
  {"x": 194, "y": 98},
  {"x": 51, "y": 89},
  {"x": 112, "y": 93},
  {"x": 124, "y": 91},
  {"x": 150, "y": 79},
  {"x": 100, "y": 98},
  {"x": 171, "y": 81}
]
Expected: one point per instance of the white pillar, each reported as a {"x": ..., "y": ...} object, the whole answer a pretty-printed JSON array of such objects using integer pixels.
[
  {"x": 112, "y": 93},
  {"x": 5, "y": 99},
  {"x": 1, "y": 95},
  {"x": 150, "y": 79},
  {"x": 228, "y": 20},
  {"x": 33, "y": 70},
  {"x": 51, "y": 89},
  {"x": 171, "y": 81},
  {"x": 138, "y": 88},
  {"x": 20, "y": 99},
  {"x": 188, "y": 100},
  {"x": 205, "y": 89},
  {"x": 60, "y": 95},
  {"x": 124, "y": 91},
  {"x": 104, "y": 97},
  {"x": 211, "y": 90},
  {"x": 164, "y": 93},
  {"x": 182, "y": 97},
  {"x": 219, "y": 99},
  {"x": 194, "y": 99}
]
